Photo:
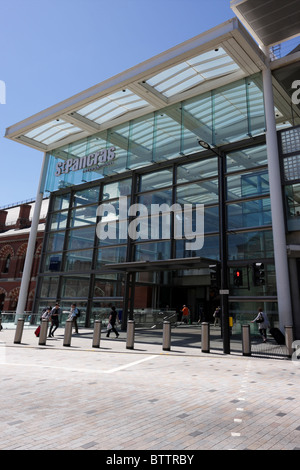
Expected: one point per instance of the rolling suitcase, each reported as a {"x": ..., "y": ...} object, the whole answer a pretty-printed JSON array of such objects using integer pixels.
[
  {"x": 37, "y": 331},
  {"x": 277, "y": 335}
]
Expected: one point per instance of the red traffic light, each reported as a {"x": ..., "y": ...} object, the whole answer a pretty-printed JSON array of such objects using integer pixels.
[{"x": 238, "y": 278}]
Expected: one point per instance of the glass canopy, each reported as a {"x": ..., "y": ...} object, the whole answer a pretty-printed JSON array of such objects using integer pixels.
[
  {"x": 111, "y": 106},
  {"x": 53, "y": 131},
  {"x": 192, "y": 72}
]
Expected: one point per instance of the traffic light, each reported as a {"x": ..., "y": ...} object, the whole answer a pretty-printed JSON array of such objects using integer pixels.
[
  {"x": 215, "y": 275},
  {"x": 258, "y": 274},
  {"x": 238, "y": 277}
]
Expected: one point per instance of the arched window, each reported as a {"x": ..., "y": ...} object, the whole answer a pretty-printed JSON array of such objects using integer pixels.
[{"x": 6, "y": 265}]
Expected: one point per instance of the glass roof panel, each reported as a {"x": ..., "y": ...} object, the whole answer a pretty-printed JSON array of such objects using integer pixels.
[
  {"x": 52, "y": 131},
  {"x": 112, "y": 106},
  {"x": 193, "y": 71}
]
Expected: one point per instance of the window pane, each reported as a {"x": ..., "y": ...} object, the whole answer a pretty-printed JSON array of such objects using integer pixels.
[
  {"x": 250, "y": 245},
  {"x": 230, "y": 113},
  {"x": 58, "y": 221},
  {"x": 247, "y": 159},
  {"x": 79, "y": 260},
  {"x": 55, "y": 241},
  {"x": 152, "y": 251},
  {"x": 247, "y": 185},
  {"x": 111, "y": 255},
  {"x": 249, "y": 214},
  {"x": 83, "y": 216},
  {"x": 75, "y": 287},
  {"x": 61, "y": 202},
  {"x": 205, "y": 192},
  {"x": 156, "y": 180},
  {"x": 197, "y": 122},
  {"x": 167, "y": 137},
  {"x": 49, "y": 287},
  {"x": 292, "y": 197},
  {"x": 158, "y": 197},
  {"x": 117, "y": 189},
  {"x": 86, "y": 196},
  {"x": 197, "y": 170},
  {"x": 53, "y": 263},
  {"x": 81, "y": 238},
  {"x": 141, "y": 142},
  {"x": 210, "y": 249}
]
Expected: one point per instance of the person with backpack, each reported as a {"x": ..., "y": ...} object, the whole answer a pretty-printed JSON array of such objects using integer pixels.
[
  {"x": 74, "y": 314},
  {"x": 263, "y": 323}
]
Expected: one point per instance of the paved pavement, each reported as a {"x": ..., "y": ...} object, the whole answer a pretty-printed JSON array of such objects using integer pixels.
[{"x": 115, "y": 399}]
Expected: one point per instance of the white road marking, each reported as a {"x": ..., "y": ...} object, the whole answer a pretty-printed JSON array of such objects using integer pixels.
[
  {"x": 77, "y": 369},
  {"x": 131, "y": 364}
]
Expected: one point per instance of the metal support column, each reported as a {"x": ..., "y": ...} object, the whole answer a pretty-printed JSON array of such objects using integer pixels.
[
  {"x": 31, "y": 243},
  {"x": 278, "y": 222}
]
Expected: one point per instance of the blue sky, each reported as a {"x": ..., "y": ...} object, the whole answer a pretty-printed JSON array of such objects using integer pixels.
[{"x": 53, "y": 49}]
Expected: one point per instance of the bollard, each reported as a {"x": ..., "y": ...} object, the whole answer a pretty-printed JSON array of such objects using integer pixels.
[
  {"x": 130, "y": 335},
  {"x": 166, "y": 336},
  {"x": 205, "y": 339},
  {"x": 19, "y": 331},
  {"x": 97, "y": 333},
  {"x": 289, "y": 338},
  {"x": 43, "y": 332},
  {"x": 246, "y": 340},
  {"x": 68, "y": 333}
]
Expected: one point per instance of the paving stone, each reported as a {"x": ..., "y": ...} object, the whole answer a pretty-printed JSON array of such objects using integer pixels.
[{"x": 59, "y": 398}]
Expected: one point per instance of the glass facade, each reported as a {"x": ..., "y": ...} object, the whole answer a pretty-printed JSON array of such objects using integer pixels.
[
  {"x": 289, "y": 143},
  {"x": 227, "y": 114},
  {"x": 156, "y": 160}
]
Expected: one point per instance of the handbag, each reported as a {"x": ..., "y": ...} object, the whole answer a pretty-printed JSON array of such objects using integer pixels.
[
  {"x": 260, "y": 319},
  {"x": 109, "y": 327}
]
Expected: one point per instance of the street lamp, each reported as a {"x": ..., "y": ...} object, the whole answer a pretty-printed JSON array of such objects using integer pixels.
[{"x": 223, "y": 246}]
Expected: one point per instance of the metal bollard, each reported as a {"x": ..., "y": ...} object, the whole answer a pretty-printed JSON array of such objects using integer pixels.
[
  {"x": 97, "y": 333},
  {"x": 246, "y": 340},
  {"x": 130, "y": 335},
  {"x": 166, "y": 336},
  {"x": 289, "y": 338},
  {"x": 19, "y": 330},
  {"x": 205, "y": 338},
  {"x": 68, "y": 333},
  {"x": 43, "y": 332}
]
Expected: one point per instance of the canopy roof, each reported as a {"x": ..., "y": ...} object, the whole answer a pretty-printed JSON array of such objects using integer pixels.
[
  {"x": 220, "y": 56},
  {"x": 269, "y": 21},
  {"x": 215, "y": 58}
]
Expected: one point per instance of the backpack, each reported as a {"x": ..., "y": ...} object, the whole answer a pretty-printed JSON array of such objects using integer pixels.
[{"x": 78, "y": 313}]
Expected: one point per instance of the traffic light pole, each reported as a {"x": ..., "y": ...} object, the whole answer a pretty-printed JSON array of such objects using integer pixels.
[{"x": 224, "y": 288}]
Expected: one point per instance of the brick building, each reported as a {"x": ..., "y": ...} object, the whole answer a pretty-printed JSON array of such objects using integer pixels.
[{"x": 15, "y": 225}]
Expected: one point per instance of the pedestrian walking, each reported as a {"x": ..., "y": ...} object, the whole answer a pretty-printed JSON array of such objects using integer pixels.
[
  {"x": 185, "y": 314},
  {"x": 55, "y": 315},
  {"x": 46, "y": 313},
  {"x": 113, "y": 318},
  {"x": 263, "y": 323},
  {"x": 73, "y": 315},
  {"x": 217, "y": 316}
]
